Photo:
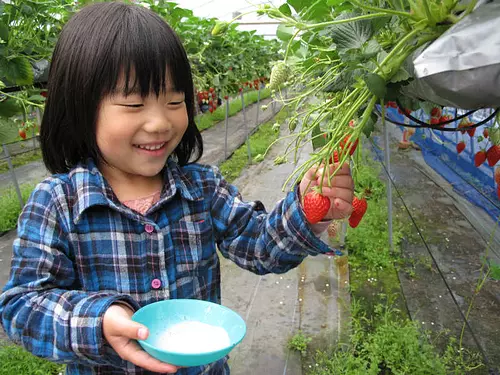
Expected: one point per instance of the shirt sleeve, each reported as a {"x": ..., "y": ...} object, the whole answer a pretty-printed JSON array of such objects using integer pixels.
[
  {"x": 41, "y": 307},
  {"x": 259, "y": 241}
]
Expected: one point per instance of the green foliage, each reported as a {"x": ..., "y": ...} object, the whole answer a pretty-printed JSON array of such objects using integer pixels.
[
  {"x": 389, "y": 345},
  {"x": 224, "y": 60},
  {"x": 10, "y": 207},
  {"x": 16, "y": 360},
  {"x": 368, "y": 243},
  {"x": 299, "y": 343},
  {"x": 494, "y": 271},
  {"x": 207, "y": 120},
  {"x": 259, "y": 143}
]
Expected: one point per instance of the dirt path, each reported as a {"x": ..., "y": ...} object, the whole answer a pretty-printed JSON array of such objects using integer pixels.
[{"x": 277, "y": 306}]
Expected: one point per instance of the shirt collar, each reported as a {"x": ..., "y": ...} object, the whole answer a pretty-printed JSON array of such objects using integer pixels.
[{"x": 91, "y": 188}]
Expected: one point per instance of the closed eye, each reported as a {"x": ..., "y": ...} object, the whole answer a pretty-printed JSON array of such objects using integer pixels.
[{"x": 132, "y": 105}]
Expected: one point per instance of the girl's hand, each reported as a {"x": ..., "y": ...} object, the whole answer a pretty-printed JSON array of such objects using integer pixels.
[
  {"x": 121, "y": 332},
  {"x": 340, "y": 190}
]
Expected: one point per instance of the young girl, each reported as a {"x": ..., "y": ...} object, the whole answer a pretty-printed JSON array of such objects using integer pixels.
[{"x": 126, "y": 220}]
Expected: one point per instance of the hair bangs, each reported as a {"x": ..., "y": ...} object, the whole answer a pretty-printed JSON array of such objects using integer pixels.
[{"x": 149, "y": 57}]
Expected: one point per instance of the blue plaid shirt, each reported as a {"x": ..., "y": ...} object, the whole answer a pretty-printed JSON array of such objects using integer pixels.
[{"x": 79, "y": 250}]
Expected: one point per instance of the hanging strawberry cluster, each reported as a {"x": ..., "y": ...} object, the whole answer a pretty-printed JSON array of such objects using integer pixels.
[{"x": 208, "y": 100}]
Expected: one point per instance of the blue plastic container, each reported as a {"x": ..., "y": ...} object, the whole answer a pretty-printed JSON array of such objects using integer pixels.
[{"x": 159, "y": 316}]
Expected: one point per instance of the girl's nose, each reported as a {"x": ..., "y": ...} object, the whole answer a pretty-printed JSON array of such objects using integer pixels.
[{"x": 158, "y": 121}]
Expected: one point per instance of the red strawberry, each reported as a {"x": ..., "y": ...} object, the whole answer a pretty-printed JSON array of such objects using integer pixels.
[
  {"x": 347, "y": 145},
  {"x": 226, "y": 97},
  {"x": 436, "y": 112},
  {"x": 460, "y": 147},
  {"x": 44, "y": 94},
  {"x": 22, "y": 134},
  {"x": 479, "y": 158},
  {"x": 241, "y": 89},
  {"x": 316, "y": 206},
  {"x": 335, "y": 158},
  {"x": 497, "y": 175},
  {"x": 435, "y": 121},
  {"x": 471, "y": 131},
  {"x": 352, "y": 123},
  {"x": 486, "y": 133},
  {"x": 211, "y": 89},
  {"x": 493, "y": 155},
  {"x": 444, "y": 119},
  {"x": 359, "y": 207}
]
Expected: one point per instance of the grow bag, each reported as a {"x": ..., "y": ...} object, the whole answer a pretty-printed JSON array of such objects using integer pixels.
[{"x": 461, "y": 68}]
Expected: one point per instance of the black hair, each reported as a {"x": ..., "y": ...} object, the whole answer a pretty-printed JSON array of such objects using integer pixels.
[{"x": 98, "y": 44}]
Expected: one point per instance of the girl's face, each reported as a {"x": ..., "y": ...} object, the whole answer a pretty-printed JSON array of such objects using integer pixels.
[{"x": 136, "y": 135}]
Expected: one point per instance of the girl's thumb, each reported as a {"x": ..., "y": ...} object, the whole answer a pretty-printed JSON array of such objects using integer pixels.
[{"x": 133, "y": 330}]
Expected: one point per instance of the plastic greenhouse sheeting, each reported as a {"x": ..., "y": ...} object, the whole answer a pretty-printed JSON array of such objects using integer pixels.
[{"x": 439, "y": 152}]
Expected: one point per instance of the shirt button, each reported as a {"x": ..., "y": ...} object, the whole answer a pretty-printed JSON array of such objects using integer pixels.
[
  {"x": 149, "y": 228},
  {"x": 156, "y": 283}
]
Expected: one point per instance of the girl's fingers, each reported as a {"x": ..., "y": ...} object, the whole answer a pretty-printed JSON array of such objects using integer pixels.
[
  {"x": 133, "y": 353},
  {"x": 342, "y": 209},
  {"x": 344, "y": 170},
  {"x": 343, "y": 181},
  {"x": 338, "y": 192}
]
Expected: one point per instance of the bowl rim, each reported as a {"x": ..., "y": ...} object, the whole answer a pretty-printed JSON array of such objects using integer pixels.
[{"x": 193, "y": 301}]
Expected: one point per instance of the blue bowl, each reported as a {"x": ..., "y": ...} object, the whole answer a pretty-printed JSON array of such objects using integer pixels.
[{"x": 160, "y": 316}]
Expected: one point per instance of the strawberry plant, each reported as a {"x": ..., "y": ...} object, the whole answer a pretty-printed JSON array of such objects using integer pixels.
[
  {"x": 353, "y": 56},
  {"x": 221, "y": 56}
]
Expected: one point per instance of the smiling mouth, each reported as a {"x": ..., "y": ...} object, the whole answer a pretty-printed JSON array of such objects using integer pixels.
[{"x": 151, "y": 147}]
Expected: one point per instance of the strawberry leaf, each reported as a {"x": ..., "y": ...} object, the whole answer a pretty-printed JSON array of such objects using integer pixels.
[
  {"x": 352, "y": 35},
  {"x": 376, "y": 84},
  {"x": 317, "y": 138},
  {"x": 9, "y": 108},
  {"x": 19, "y": 71},
  {"x": 4, "y": 32},
  {"x": 284, "y": 33},
  {"x": 285, "y": 9}
]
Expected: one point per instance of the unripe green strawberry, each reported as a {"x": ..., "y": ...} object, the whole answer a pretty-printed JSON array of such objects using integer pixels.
[
  {"x": 279, "y": 75},
  {"x": 220, "y": 28}
]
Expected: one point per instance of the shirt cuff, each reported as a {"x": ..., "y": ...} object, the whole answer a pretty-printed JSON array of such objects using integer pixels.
[{"x": 87, "y": 338}]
